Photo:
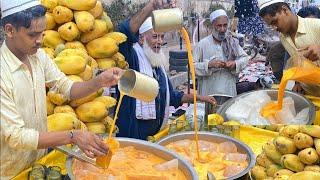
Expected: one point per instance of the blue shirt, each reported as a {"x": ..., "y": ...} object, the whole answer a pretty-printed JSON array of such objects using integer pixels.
[{"x": 127, "y": 122}]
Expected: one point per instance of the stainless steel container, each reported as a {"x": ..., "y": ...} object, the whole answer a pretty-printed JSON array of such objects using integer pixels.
[
  {"x": 300, "y": 102},
  {"x": 165, "y": 20},
  {"x": 216, "y": 138},
  {"x": 158, "y": 150}
]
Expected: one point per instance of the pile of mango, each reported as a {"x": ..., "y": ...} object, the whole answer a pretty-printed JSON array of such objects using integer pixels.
[
  {"x": 79, "y": 38},
  {"x": 293, "y": 155}
]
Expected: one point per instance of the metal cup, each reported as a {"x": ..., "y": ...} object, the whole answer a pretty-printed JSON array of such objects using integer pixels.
[
  {"x": 165, "y": 20},
  {"x": 138, "y": 85}
]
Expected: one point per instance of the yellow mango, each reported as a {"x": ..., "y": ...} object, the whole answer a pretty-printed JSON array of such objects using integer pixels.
[
  {"x": 91, "y": 111},
  {"x": 108, "y": 21},
  {"x": 51, "y": 39},
  {"x": 97, "y": 10},
  {"x": 93, "y": 63},
  {"x": 96, "y": 127},
  {"x": 103, "y": 47},
  {"x": 64, "y": 109},
  {"x": 75, "y": 78},
  {"x": 80, "y": 5},
  {"x": 62, "y": 14},
  {"x": 69, "y": 31},
  {"x": 118, "y": 57},
  {"x": 59, "y": 49},
  {"x": 62, "y": 122},
  {"x": 117, "y": 36},
  {"x": 106, "y": 63},
  {"x": 87, "y": 74},
  {"x": 71, "y": 64},
  {"x": 122, "y": 64},
  {"x": 49, "y": 52},
  {"x": 50, "y": 106},
  {"x": 50, "y": 22},
  {"x": 75, "y": 45},
  {"x": 108, "y": 101},
  {"x": 49, "y": 4},
  {"x": 56, "y": 98},
  {"x": 74, "y": 52},
  {"x": 100, "y": 28},
  {"x": 84, "y": 21},
  {"x": 90, "y": 97}
]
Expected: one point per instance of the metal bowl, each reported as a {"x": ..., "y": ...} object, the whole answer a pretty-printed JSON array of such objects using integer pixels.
[
  {"x": 158, "y": 150},
  {"x": 216, "y": 138},
  {"x": 300, "y": 102}
]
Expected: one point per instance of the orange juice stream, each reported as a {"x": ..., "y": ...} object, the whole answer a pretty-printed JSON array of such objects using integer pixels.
[
  {"x": 308, "y": 73},
  {"x": 115, "y": 116},
  {"x": 193, "y": 75}
]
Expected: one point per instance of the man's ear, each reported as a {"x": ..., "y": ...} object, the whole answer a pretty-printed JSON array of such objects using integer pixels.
[
  {"x": 9, "y": 30},
  {"x": 285, "y": 10}
]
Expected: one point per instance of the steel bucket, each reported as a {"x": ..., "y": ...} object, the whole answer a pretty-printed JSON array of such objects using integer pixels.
[
  {"x": 300, "y": 102},
  {"x": 217, "y": 138},
  {"x": 158, "y": 150}
]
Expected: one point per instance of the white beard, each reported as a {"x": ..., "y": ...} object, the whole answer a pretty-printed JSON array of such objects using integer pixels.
[{"x": 155, "y": 59}]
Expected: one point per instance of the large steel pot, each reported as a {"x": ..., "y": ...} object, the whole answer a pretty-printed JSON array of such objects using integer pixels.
[
  {"x": 158, "y": 150},
  {"x": 300, "y": 102},
  {"x": 216, "y": 138}
]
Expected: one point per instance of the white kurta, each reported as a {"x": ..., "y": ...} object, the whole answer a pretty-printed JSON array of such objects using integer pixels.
[{"x": 216, "y": 80}]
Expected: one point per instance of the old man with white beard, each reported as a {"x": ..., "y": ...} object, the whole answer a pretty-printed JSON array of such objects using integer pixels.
[
  {"x": 142, "y": 50},
  {"x": 219, "y": 58}
]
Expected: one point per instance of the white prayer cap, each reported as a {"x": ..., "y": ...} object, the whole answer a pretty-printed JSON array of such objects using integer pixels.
[
  {"x": 217, "y": 13},
  {"x": 146, "y": 26},
  {"x": 9, "y": 7},
  {"x": 265, "y": 3}
]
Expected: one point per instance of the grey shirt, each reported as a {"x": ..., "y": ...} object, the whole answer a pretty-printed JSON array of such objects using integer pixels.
[{"x": 216, "y": 80}]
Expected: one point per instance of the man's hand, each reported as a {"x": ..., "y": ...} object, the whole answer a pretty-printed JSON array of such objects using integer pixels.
[
  {"x": 110, "y": 77},
  {"x": 162, "y": 4},
  {"x": 216, "y": 64},
  {"x": 207, "y": 99},
  {"x": 90, "y": 143},
  {"x": 311, "y": 52},
  {"x": 231, "y": 65}
]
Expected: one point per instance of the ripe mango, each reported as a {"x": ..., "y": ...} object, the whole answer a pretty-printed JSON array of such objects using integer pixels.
[
  {"x": 51, "y": 39},
  {"x": 97, "y": 10},
  {"x": 317, "y": 145},
  {"x": 56, "y": 98},
  {"x": 64, "y": 109},
  {"x": 310, "y": 175},
  {"x": 99, "y": 29},
  {"x": 90, "y": 97},
  {"x": 302, "y": 140},
  {"x": 62, "y": 122},
  {"x": 259, "y": 172},
  {"x": 59, "y": 49},
  {"x": 118, "y": 57},
  {"x": 103, "y": 47},
  {"x": 284, "y": 145},
  {"x": 69, "y": 31},
  {"x": 93, "y": 63},
  {"x": 80, "y": 5},
  {"x": 315, "y": 168},
  {"x": 74, "y": 52},
  {"x": 50, "y": 106},
  {"x": 71, "y": 64},
  {"x": 272, "y": 152},
  {"x": 272, "y": 169},
  {"x": 75, "y": 78},
  {"x": 96, "y": 127},
  {"x": 263, "y": 160},
  {"x": 308, "y": 156},
  {"x": 87, "y": 74},
  {"x": 75, "y": 45},
  {"x": 289, "y": 131},
  {"x": 62, "y": 14},
  {"x": 106, "y": 63},
  {"x": 91, "y": 111},
  {"x": 108, "y": 101},
  {"x": 108, "y": 21},
  {"x": 312, "y": 130},
  {"x": 117, "y": 36},
  {"x": 123, "y": 64},
  {"x": 292, "y": 162},
  {"x": 282, "y": 172},
  {"x": 84, "y": 20},
  {"x": 49, "y": 4},
  {"x": 50, "y": 22}
]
